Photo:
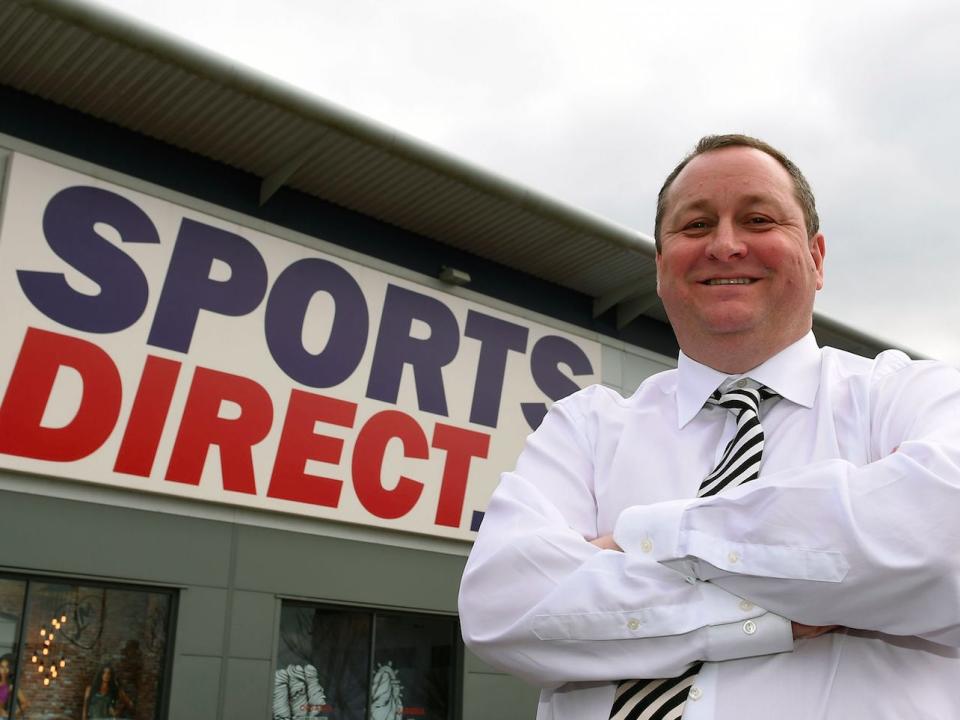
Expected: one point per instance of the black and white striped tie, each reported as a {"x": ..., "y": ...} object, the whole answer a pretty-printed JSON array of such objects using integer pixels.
[{"x": 663, "y": 699}]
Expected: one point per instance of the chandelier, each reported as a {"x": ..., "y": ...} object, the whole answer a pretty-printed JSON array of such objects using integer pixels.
[{"x": 43, "y": 656}]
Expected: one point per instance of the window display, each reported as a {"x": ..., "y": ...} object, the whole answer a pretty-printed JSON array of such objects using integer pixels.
[
  {"x": 88, "y": 652},
  {"x": 347, "y": 664},
  {"x": 12, "y": 593},
  {"x": 418, "y": 650},
  {"x": 323, "y": 664}
]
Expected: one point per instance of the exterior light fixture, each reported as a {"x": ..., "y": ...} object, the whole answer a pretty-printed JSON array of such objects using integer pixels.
[{"x": 452, "y": 276}]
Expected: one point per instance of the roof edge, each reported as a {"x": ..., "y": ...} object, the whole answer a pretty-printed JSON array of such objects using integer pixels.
[
  {"x": 858, "y": 336},
  {"x": 247, "y": 80},
  {"x": 232, "y": 74}
]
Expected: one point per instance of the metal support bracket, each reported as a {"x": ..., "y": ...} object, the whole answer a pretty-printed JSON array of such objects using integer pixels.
[
  {"x": 279, "y": 177},
  {"x": 632, "y": 309}
]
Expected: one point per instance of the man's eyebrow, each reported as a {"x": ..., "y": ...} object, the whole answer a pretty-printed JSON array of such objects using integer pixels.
[
  {"x": 705, "y": 204},
  {"x": 760, "y": 199},
  {"x": 700, "y": 204}
]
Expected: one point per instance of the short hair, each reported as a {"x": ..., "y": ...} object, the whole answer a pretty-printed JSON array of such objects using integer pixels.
[{"x": 708, "y": 143}]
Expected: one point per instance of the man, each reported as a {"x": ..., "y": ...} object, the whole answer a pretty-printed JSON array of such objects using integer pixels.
[{"x": 627, "y": 545}]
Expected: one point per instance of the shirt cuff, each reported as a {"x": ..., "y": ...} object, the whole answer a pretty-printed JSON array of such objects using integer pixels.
[
  {"x": 665, "y": 533},
  {"x": 652, "y": 530},
  {"x": 762, "y": 635}
]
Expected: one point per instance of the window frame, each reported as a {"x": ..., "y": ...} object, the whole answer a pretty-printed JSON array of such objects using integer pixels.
[
  {"x": 456, "y": 656},
  {"x": 173, "y": 599}
]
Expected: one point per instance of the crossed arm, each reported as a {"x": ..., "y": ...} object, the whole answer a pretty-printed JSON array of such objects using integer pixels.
[
  {"x": 875, "y": 547},
  {"x": 799, "y": 630}
]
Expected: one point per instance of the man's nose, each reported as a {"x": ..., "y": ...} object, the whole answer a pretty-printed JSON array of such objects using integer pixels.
[{"x": 725, "y": 243}]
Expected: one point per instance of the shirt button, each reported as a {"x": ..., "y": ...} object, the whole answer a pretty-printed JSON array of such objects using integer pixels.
[
  {"x": 749, "y": 627},
  {"x": 741, "y": 383},
  {"x": 633, "y": 623},
  {"x": 695, "y": 693},
  {"x": 646, "y": 545},
  {"x": 690, "y": 579},
  {"x": 746, "y": 605},
  {"x": 733, "y": 556}
]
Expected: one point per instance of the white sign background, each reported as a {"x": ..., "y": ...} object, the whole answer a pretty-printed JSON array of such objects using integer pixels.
[{"x": 237, "y": 345}]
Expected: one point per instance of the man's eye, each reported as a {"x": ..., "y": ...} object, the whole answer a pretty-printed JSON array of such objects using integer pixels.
[
  {"x": 759, "y": 220},
  {"x": 695, "y": 225}
]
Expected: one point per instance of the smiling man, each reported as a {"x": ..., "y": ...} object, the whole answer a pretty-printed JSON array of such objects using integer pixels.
[
  {"x": 769, "y": 528},
  {"x": 738, "y": 262}
]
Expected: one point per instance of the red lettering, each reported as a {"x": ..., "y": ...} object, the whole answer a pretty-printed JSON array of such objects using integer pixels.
[
  {"x": 138, "y": 449},
  {"x": 202, "y": 426},
  {"x": 299, "y": 443},
  {"x": 368, "y": 463},
  {"x": 41, "y": 356},
  {"x": 461, "y": 445}
]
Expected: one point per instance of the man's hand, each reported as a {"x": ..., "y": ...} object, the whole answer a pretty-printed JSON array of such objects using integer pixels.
[
  {"x": 806, "y": 632},
  {"x": 605, "y": 542}
]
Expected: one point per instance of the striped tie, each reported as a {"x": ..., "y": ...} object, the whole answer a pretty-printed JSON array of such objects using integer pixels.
[{"x": 663, "y": 699}]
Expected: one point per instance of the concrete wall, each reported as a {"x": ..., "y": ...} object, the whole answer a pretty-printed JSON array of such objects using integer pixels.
[{"x": 230, "y": 580}]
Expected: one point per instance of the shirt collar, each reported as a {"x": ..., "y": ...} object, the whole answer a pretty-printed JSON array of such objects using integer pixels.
[{"x": 794, "y": 373}]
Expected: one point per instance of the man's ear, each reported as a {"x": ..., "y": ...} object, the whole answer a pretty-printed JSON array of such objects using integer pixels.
[
  {"x": 658, "y": 274},
  {"x": 818, "y": 251}
]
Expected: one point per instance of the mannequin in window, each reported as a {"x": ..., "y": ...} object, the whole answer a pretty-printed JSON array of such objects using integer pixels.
[
  {"x": 6, "y": 689},
  {"x": 104, "y": 698}
]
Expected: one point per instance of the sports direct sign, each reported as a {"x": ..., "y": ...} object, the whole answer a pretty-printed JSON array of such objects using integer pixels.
[{"x": 148, "y": 346}]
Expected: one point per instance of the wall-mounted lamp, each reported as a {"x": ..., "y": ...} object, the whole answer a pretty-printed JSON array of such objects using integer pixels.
[{"x": 453, "y": 276}]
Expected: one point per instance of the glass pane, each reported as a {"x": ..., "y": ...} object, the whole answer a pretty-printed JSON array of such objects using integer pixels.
[
  {"x": 323, "y": 664},
  {"x": 413, "y": 667},
  {"x": 94, "y": 648},
  {"x": 11, "y": 606}
]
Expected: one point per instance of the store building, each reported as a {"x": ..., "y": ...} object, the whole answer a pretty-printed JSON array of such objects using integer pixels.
[{"x": 262, "y": 363}]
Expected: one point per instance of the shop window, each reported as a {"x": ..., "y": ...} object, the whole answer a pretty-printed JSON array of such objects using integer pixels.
[
  {"x": 12, "y": 593},
  {"x": 80, "y": 652},
  {"x": 348, "y": 664}
]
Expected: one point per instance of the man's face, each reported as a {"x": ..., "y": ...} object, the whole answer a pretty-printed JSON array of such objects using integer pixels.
[{"x": 735, "y": 260}]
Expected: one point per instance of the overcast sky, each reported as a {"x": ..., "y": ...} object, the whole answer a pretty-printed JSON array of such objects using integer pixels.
[{"x": 595, "y": 102}]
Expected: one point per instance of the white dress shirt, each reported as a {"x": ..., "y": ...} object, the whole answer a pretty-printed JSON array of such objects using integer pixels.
[{"x": 854, "y": 521}]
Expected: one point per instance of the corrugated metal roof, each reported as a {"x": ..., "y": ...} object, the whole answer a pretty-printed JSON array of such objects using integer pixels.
[{"x": 102, "y": 64}]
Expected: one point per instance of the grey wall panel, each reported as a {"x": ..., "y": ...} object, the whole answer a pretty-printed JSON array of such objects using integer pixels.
[
  {"x": 341, "y": 570},
  {"x": 248, "y": 690},
  {"x": 109, "y": 541},
  {"x": 473, "y": 664},
  {"x": 498, "y": 696},
  {"x": 637, "y": 368},
  {"x": 612, "y": 366},
  {"x": 195, "y": 691},
  {"x": 200, "y": 618},
  {"x": 251, "y": 625}
]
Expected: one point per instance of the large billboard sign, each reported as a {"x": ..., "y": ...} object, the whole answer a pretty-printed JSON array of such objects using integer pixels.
[{"x": 152, "y": 347}]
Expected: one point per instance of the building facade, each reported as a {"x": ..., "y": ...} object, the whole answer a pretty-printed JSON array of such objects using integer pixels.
[{"x": 253, "y": 399}]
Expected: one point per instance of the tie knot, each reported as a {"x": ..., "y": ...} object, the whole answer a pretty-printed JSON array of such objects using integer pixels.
[{"x": 738, "y": 399}]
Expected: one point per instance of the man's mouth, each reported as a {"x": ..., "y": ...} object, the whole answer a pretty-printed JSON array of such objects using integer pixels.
[{"x": 729, "y": 281}]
